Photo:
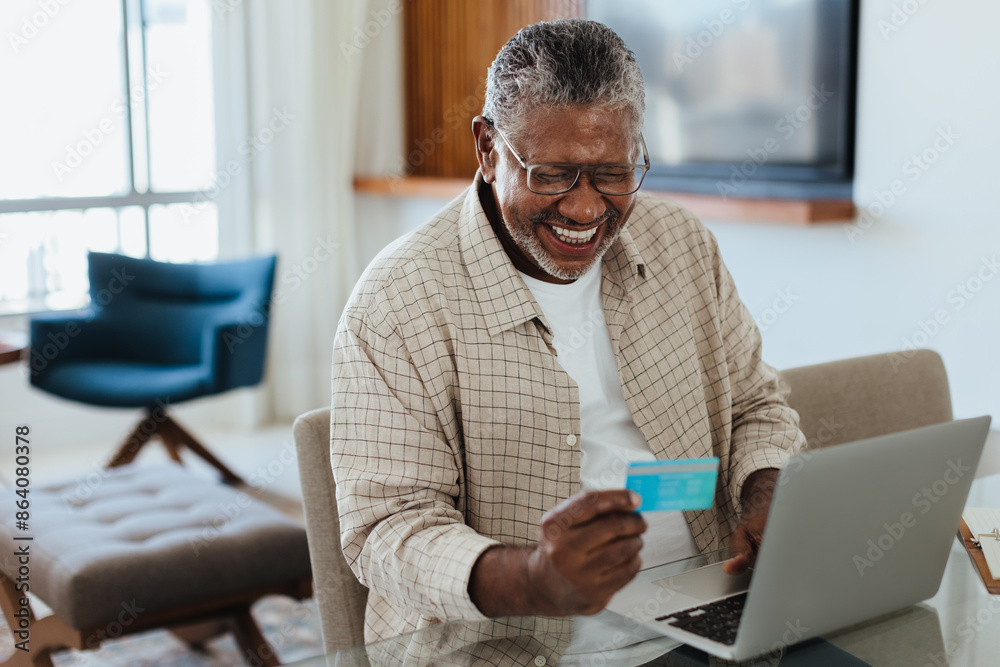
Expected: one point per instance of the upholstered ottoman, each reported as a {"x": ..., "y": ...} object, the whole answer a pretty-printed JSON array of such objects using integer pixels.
[{"x": 147, "y": 547}]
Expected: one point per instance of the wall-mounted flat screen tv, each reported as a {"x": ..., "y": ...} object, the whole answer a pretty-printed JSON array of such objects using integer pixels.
[{"x": 745, "y": 98}]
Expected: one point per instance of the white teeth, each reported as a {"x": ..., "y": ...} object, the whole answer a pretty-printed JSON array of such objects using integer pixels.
[{"x": 570, "y": 236}]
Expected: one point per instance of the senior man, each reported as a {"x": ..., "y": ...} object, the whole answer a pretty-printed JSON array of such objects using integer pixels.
[{"x": 495, "y": 370}]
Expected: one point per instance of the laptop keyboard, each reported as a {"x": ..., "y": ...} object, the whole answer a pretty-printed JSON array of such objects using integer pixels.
[{"x": 717, "y": 620}]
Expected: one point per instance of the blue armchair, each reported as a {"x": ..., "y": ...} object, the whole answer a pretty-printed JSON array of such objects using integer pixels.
[{"x": 155, "y": 334}]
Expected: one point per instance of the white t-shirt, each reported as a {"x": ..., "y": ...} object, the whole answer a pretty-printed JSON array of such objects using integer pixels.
[{"x": 609, "y": 438}]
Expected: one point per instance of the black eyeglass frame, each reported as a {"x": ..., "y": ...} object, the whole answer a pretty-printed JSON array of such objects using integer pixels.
[{"x": 579, "y": 168}]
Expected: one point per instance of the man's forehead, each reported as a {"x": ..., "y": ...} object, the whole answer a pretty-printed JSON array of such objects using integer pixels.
[{"x": 593, "y": 134}]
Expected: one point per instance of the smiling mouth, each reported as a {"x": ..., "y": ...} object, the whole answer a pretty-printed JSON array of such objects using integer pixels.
[{"x": 573, "y": 237}]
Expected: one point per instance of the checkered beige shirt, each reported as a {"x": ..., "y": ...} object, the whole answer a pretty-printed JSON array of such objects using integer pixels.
[{"x": 455, "y": 428}]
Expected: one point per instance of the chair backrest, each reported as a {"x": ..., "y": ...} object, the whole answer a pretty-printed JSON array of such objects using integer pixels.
[
  {"x": 340, "y": 596},
  {"x": 838, "y": 402},
  {"x": 852, "y": 399},
  {"x": 162, "y": 310}
]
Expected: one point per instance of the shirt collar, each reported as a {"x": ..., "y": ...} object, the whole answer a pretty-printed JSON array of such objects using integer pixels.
[
  {"x": 624, "y": 261},
  {"x": 504, "y": 298}
]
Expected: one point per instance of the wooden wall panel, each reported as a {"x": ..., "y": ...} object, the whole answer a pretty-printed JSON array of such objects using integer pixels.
[{"x": 447, "y": 47}]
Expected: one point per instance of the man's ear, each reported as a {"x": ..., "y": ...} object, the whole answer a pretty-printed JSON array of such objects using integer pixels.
[{"x": 485, "y": 154}]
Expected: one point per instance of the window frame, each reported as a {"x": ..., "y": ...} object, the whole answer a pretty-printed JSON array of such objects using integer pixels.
[{"x": 137, "y": 156}]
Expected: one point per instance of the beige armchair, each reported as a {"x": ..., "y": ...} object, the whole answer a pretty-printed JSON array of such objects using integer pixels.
[
  {"x": 853, "y": 399},
  {"x": 840, "y": 401}
]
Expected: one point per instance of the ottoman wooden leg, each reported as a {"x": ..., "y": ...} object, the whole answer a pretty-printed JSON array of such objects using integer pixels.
[
  {"x": 47, "y": 635},
  {"x": 197, "y": 636},
  {"x": 251, "y": 641},
  {"x": 22, "y": 659}
]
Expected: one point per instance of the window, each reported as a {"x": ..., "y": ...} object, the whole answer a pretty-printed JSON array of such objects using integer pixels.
[{"x": 108, "y": 141}]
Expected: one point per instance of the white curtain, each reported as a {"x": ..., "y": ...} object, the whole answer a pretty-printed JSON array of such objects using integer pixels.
[{"x": 287, "y": 106}]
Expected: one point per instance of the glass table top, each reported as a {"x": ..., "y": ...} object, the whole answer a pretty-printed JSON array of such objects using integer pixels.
[{"x": 958, "y": 627}]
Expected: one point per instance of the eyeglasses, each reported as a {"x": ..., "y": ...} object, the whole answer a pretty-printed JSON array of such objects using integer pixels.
[{"x": 555, "y": 178}]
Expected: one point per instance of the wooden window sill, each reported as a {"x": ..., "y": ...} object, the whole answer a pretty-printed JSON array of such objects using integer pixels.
[{"x": 789, "y": 211}]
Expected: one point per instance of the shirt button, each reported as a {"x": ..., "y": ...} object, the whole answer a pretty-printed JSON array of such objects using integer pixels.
[
  {"x": 540, "y": 659},
  {"x": 570, "y": 440}
]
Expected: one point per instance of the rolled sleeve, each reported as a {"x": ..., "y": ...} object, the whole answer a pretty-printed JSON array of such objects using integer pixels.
[{"x": 398, "y": 480}]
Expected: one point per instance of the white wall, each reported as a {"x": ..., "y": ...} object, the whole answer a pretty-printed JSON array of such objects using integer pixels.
[
  {"x": 849, "y": 290},
  {"x": 874, "y": 292}
]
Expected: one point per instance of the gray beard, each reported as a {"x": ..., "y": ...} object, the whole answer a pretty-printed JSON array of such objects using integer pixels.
[{"x": 528, "y": 241}]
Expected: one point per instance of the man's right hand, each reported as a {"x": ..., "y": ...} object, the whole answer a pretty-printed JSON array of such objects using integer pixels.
[{"x": 588, "y": 549}]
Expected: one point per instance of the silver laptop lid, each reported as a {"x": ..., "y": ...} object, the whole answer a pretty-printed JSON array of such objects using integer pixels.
[{"x": 859, "y": 530}]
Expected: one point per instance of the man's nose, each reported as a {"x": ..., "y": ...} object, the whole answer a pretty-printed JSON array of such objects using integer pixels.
[{"x": 582, "y": 204}]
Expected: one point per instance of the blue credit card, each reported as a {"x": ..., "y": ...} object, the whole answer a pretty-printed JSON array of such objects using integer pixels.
[{"x": 684, "y": 484}]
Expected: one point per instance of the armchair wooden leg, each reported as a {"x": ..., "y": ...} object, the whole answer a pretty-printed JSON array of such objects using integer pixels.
[
  {"x": 139, "y": 436},
  {"x": 254, "y": 648},
  {"x": 189, "y": 441},
  {"x": 174, "y": 437},
  {"x": 171, "y": 442}
]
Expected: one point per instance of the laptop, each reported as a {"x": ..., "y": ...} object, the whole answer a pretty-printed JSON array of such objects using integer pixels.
[{"x": 855, "y": 531}]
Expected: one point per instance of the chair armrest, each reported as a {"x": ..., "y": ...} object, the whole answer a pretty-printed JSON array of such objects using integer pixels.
[
  {"x": 59, "y": 337},
  {"x": 236, "y": 351}
]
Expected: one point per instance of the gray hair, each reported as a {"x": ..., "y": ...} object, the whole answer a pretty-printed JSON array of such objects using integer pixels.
[{"x": 563, "y": 63}]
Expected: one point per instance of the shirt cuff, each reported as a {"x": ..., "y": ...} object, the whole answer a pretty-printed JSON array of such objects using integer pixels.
[
  {"x": 453, "y": 571},
  {"x": 760, "y": 459}
]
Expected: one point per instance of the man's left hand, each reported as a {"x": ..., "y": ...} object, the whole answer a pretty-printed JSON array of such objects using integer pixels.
[{"x": 745, "y": 542}]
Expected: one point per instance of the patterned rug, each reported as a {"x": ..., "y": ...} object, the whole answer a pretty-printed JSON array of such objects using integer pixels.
[{"x": 292, "y": 628}]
